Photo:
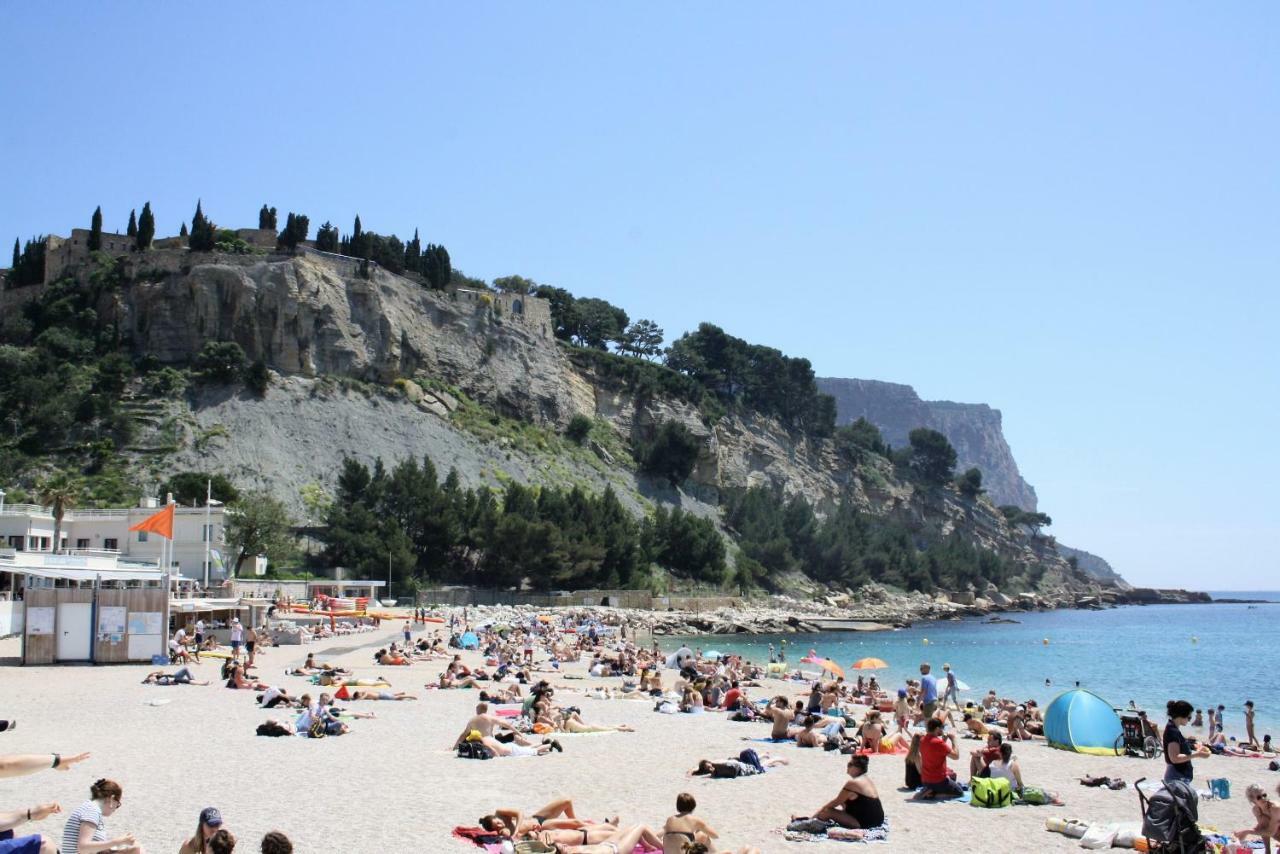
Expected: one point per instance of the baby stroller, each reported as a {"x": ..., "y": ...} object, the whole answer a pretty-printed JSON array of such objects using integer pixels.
[
  {"x": 1169, "y": 819},
  {"x": 1135, "y": 739}
]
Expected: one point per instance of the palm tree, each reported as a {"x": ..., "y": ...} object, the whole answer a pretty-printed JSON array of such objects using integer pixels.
[{"x": 59, "y": 493}]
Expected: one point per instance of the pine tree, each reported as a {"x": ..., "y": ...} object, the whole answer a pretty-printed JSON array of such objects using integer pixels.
[
  {"x": 95, "y": 230},
  {"x": 146, "y": 227},
  {"x": 202, "y": 234},
  {"x": 267, "y": 218},
  {"x": 132, "y": 230},
  {"x": 327, "y": 238}
]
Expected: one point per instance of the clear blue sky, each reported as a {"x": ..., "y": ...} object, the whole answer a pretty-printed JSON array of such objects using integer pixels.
[{"x": 1069, "y": 213}]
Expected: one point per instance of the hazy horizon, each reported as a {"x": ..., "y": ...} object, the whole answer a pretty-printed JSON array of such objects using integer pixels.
[{"x": 1066, "y": 213}]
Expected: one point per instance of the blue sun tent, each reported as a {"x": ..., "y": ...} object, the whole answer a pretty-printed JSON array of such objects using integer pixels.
[
  {"x": 470, "y": 641},
  {"x": 1082, "y": 721}
]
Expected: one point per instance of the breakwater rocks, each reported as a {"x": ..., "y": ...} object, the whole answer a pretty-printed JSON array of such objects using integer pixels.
[{"x": 871, "y": 608}]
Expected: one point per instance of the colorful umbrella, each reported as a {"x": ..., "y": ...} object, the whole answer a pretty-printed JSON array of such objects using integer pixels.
[
  {"x": 828, "y": 664},
  {"x": 869, "y": 664}
]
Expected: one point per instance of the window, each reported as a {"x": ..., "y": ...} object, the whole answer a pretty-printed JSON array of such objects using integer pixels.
[
  {"x": 16, "y": 543},
  {"x": 206, "y": 533},
  {"x": 142, "y": 536},
  {"x": 110, "y": 543},
  {"x": 82, "y": 542}
]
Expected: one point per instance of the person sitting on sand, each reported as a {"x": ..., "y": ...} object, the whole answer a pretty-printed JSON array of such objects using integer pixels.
[
  {"x": 209, "y": 823},
  {"x": 237, "y": 679},
  {"x": 912, "y": 763},
  {"x": 449, "y": 678},
  {"x": 1265, "y": 814},
  {"x": 857, "y": 804},
  {"x": 182, "y": 676},
  {"x": 276, "y": 842},
  {"x": 871, "y": 732},
  {"x": 274, "y": 696},
  {"x": 35, "y": 843},
  {"x": 781, "y": 714},
  {"x": 748, "y": 764},
  {"x": 980, "y": 760},
  {"x": 684, "y": 833},
  {"x": 935, "y": 749},
  {"x": 810, "y": 737},
  {"x": 1266, "y": 744},
  {"x": 86, "y": 831},
  {"x": 483, "y": 724}
]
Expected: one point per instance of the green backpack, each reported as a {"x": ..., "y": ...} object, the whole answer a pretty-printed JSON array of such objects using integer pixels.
[{"x": 991, "y": 792}]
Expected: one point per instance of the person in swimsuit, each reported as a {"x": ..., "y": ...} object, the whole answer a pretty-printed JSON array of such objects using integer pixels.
[
  {"x": 782, "y": 716},
  {"x": 683, "y": 829},
  {"x": 619, "y": 841},
  {"x": 1266, "y": 816},
  {"x": 381, "y": 695},
  {"x": 857, "y": 804},
  {"x": 557, "y": 815}
]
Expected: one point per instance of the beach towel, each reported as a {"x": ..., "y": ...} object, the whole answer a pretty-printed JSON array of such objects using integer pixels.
[
  {"x": 917, "y": 799},
  {"x": 839, "y": 834},
  {"x": 773, "y": 740}
]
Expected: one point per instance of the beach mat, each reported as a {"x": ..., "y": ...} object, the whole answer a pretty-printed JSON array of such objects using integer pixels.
[
  {"x": 963, "y": 799},
  {"x": 874, "y": 835}
]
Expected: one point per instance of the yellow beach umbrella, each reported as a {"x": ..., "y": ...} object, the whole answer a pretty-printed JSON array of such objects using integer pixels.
[{"x": 869, "y": 664}]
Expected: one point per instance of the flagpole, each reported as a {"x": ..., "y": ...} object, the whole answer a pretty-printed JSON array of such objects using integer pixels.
[{"x": 208, "y": 530}]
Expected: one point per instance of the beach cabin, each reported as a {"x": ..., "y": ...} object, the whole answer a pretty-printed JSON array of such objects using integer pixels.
[{"x": 89, "y": 608}]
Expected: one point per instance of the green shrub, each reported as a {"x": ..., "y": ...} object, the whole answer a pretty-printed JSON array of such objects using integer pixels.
[{"x": 579, "y": 428}]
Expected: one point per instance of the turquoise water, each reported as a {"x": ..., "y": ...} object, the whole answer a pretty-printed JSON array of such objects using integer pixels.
[{"x": 1136, "y": 653}]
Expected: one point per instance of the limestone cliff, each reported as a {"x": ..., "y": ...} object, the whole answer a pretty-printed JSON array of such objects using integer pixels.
[
  {"x": 974, "y": 430},
  {"x": 372, "y": 364},
  {"x": 1093, "y": 565}
]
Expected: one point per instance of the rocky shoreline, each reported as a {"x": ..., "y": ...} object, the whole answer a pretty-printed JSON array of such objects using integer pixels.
[{"x": 871, "y": 608}]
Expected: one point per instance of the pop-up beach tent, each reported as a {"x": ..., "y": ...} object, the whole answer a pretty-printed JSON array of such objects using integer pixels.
[
  {"x": 470, "y": 641},
  {"x": 1082, "y": 721}
]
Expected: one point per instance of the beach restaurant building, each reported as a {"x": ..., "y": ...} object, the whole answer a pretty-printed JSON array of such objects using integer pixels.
[{"x": 29, "y": 528}]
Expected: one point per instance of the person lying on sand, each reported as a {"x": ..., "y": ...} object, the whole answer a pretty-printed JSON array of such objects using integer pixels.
[
  {"x": 616, "y": 841},
  {"x": 498, "y": 748},
  {"x": 182, "y": 676},
  {"x": 975, "y": 727},
  {"x": 557, "y": 815},
  {"x": 857, "y": 804},
  {"x": 381, "y": 695},
  {"x": 450, "y": 678},
  {"x": 748, "y": 764},
  {"x": 237, "y": 679}
]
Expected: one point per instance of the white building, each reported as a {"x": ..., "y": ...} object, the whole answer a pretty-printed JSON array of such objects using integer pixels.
[{"x": 29, "y": 528}]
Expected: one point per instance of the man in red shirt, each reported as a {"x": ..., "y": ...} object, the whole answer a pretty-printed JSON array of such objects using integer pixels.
[
  {"x": 733, "y": 697},
  {"x": 935, "y": 750},
  {"x": 980, "y": 760}
]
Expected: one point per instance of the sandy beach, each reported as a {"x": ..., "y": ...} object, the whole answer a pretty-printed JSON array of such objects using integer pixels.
[{"x": 393, "y": 784}]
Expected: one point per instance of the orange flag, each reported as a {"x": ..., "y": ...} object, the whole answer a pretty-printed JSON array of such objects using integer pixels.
[{"x": 158, "y": 523}]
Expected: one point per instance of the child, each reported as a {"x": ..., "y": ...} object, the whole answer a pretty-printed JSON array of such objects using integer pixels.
[{"x": 1265, "y": 813}]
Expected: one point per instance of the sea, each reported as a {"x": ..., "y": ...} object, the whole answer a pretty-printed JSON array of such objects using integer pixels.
[{"x": 1207, "y": 654}]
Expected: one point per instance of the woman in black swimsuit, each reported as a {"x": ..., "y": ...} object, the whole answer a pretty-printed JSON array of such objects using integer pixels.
[{"x": 858, "y": 803}]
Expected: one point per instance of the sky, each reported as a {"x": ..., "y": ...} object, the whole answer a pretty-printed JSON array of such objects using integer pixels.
[{"x": 1069, "y": 211}]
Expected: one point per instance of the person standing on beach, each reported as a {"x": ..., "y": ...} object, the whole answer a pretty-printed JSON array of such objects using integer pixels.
[
  {"x": 1177, "y": 751},
  {"x": 928, "y": 691},
  {"x": 1212, "y": 723},
  {"x": 237, "y": 638},
  {"x": 1222, "y": 716},
  {"x": 952, "y": 691},
  {"x": 1251, "y": 739}
]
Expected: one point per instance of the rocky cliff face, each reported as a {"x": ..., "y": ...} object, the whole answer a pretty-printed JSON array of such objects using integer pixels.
[
  {"x": 313, "y": 319},
  {"x": 1094, "y": 565},
  {"x": 974, "y": 430}
]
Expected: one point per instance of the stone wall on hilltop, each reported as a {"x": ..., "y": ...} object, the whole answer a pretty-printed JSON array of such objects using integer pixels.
[{"x": 974, "y": 430}]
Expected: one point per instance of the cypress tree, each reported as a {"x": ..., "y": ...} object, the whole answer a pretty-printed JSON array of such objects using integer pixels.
[
  {"x": 17, "y": 254},
  {"x": 182, "y": 232},
  {"x": 95, "y": 230},
  {"x": 202, "y": 236},
  {"x": 267, "y": 218},
  {"x": 132, "y": 230},
  {"x": 146, "y": 227}
]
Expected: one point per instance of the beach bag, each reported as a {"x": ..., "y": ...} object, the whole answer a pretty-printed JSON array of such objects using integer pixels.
[
  {"x": 473, "y": 750},
  {"x": 533, "y": 846},
  {"x": 1221, "y": 788},
  {"x": 1034, "y": 796},
  {"x": 991, "y": 792},
  {"x": 317, "y": 729}
]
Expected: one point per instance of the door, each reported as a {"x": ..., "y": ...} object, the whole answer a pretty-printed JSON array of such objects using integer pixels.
[{"x": 75, "y": 631}]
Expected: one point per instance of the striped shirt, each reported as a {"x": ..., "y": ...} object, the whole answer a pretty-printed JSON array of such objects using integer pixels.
[{"x": 90, "y": 812}]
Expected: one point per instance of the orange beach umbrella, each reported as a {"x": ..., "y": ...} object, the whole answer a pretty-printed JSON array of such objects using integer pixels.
[{"x": 869, "y": 664}]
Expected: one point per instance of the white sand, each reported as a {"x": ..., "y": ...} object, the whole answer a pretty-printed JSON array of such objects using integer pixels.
[{"x": 394, "y": 785}]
